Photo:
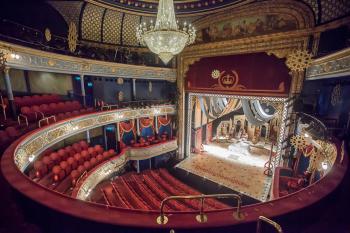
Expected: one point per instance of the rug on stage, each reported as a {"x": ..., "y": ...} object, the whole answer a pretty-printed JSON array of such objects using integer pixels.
[{"x": 241, "y": 177}]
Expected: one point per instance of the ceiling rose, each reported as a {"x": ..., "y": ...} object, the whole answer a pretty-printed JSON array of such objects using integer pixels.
[{"x": 165, "y": 38}]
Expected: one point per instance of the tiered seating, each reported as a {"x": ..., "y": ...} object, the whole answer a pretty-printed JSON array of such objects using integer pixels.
[
  {"x": 63, "y": 168},
  {"x": 8, "y": 135},
  {"x": 155, "y": 186},
  {"x": 36, "y": 100},
  {"x": 61, "y": 110},
  {"x": 151, "y": 140}
]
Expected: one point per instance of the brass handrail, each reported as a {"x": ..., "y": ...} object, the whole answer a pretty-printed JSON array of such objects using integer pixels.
[
  {"x": 275, "y": 225},
  {"x": 201, "y": 217}
]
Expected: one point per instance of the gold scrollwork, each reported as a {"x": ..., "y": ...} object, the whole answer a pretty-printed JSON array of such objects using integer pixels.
[
  {"x": 72, "y": 37},
  {"x": 48, "y": 35},
  {"x": 299, "y": 60},
  {"x": 3, "y": 61}
]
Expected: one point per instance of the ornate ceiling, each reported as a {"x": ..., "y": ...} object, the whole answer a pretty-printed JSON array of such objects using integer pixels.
[
  {"x": 114, "y": 21},
  {"x": 183, "y": 7}
]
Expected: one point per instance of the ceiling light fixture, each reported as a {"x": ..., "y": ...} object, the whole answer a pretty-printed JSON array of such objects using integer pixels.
[{"x": 165, "y": 38}]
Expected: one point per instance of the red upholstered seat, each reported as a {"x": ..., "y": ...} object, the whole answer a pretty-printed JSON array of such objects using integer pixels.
[
  {"x": 98, "y": 149},
  {"x": 63, "y": 154},
  {"x": 77, "y": 147},
  {"x": 65, "y": 166},
  {"x": 85, "y": 155},
  {"x": 55, "y": 158},
  {"x": 99, "y": 158},
  {"x": 72, "y": 163},
  {"x": 40, "y": 169},
  {"x": 83, "y": 144},
  {"x": 78, "y": 158},
  {"x": 87, "y": 165},
  {"x": 58, "y": 173},
  {"x": 29, "y": 113},
  {"x": 48, "y": 162},
  {"x": 93, "y": 162},
  {"x": 81, "y": 169},
  {"x": 92, "y": 152},
  {"x": 70, "y": 151},
  {"x": 12, "y": 132},
  {"x": 105, "y": 155},
  {"x": 53, "y": 108},
  {"x": 111, "y": 152},
  {"x": 74, "y": 175}
]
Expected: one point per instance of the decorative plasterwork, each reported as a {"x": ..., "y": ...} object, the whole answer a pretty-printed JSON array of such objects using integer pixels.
[
  {"x": 91, "y": 22},
  {"x": 131, "y": 22},
  {"x": 111, "y": 27},
  {"x": 70, "y": 10},
  {"x": 29, "y": 148},
  {"x": 32, "y": 59},
  {"x": 333, "y": 9},
  {"x": 108, "y": 168},
  {"x": 102, "y": 172},
  {"x": 333, "y": 65}
]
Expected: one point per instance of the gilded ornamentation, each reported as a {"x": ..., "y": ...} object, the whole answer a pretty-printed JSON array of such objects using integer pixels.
[
  {"x": 228, "y": 81},
  {"x": 35, "y": 143},
  {"x": 34, "y": 59},
  {"x": 120, "y": 96},
  {"x": 3, "y": 61},
  {"x": 215, "y": 74},
  {"x": 120, "y": 81},
  {"x": 299, "y": 60},
  {"x": 336, "y": 97},
  {"x": 187, "y": 64},
  {"x": 279, "y": 53},
  {"x": 150, "y": 87},
  {"x": 330, "y": 65},
  {"x": 298, "y": 142},
  {"x": 48, "y": 35},
  {"x": 72, "y": 37}
]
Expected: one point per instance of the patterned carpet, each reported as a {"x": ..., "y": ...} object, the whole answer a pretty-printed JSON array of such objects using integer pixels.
[{"x": 240, "y": 172}]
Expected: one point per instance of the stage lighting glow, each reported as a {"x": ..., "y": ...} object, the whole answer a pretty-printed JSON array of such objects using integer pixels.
[
  {"x": 244, "y": 157},
  {"x": 324, "y": 165}
]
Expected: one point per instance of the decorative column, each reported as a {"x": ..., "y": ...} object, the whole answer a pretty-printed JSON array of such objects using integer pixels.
[
  {"x": 9, "y": 91},
  {"x": 26, "y": 79},
  {"x": 156, "y": 124},
  {"x": 138, "y": 126},
  {"x": 82, "y": 85},
  {"x": 133, "y": 89},
  {"x": 88, "y": 136}
]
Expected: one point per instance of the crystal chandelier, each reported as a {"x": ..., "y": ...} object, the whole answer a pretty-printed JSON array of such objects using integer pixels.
[{"x": 165, "y": 38}]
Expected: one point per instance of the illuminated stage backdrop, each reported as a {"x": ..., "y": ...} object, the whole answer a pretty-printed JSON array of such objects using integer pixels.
[{"x": 256, "y": 74}]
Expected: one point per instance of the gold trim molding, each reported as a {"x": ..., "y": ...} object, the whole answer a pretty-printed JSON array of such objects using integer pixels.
[{"x": 37, "y": 60}]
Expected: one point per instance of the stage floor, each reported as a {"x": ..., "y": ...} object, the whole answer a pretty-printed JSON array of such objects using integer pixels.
[{"x": 237, "y": 168}]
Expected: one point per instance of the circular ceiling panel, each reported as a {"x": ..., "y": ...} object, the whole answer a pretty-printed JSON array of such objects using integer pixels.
[{"x": 182, "y": 7}]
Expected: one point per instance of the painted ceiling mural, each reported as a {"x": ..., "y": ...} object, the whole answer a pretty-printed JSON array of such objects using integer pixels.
[{"x": 113, "y": 21}]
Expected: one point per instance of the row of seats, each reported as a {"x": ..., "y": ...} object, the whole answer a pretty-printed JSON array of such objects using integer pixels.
[
  {"x": 8, "y": 135},
  {"x": 71, "y": 162},
  {"x": 36, "y": 112},
  {"x": 36, "y": 100},
  {"x": 147, "y": 190},
  {"x": 150, "y": 140}
]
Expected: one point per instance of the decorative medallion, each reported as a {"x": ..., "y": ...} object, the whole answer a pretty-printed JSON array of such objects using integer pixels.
[
  {"x": 298, "y": 141},
  {"x": 226, "y": 80},
  {"x": 48, "y": 35},
  {"x": 120, "y": 96},
  {"x": 150, "y": 87},
  {"x": 3, "y": 61},
  {"x": 72, "y": 37},
  {"x": 120, "y": 81},
  {"x": 215, "y": 74},
  {"x": 336, "y": 97},
  {"x": 299, "y": 60}
]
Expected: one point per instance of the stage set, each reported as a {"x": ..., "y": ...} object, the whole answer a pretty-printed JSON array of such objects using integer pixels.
[{"x": 235, "y": 141}]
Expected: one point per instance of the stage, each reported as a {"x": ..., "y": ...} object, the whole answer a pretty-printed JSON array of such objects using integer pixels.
[{"x": 236, "y": 168}]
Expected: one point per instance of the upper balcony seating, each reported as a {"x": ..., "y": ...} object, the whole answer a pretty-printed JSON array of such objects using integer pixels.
[
  {"x": 8, "y": 135},
  {"x": 147, "y": 190},
  {"x": 61, "y": 110},
  {"x": 36, "y": 100}
]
